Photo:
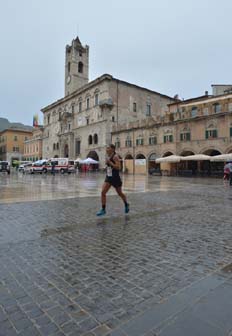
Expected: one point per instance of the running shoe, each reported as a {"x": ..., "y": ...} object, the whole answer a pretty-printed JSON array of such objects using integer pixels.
[
  {"x": 102, "y": 212},
  {"x": 127, "y": 208}
]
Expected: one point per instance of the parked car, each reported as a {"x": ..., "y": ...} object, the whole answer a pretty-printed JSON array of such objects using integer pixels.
[
  {"x": 23, "y": 164},
  {"x": 5, "y": 167}
]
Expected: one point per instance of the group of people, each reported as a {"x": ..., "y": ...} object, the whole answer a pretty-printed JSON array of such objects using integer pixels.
[{"x": 228, "y": 172}]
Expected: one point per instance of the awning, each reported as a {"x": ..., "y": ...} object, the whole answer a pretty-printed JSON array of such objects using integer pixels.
[
  {"x": 170, "y": 158},
  {"x": 221, "y": 158},
  {"x": 196, "y": 157},
  {"x": 89, "y": 161}
]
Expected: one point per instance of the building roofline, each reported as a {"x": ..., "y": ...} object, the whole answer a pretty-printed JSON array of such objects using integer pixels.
[
  {"x": 16, "y": 130},
  {"x": 221, "y": 84},
  {"x": 205, "y": 97},
  {"x": 99, "y": 80}
]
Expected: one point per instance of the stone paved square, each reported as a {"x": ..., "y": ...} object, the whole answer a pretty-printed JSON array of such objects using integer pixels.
[{"x": 66, "y": 272}]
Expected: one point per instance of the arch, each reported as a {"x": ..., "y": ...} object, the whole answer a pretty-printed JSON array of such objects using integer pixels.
[
  {"x": 152, "y": 157},
  {"x": 90, "y": 140},
  {"x": 229, "y": 150},
  {"x": 168, "y": 153},
  {"x": 140, "y": 156},
  {"x": 211, "y": 151},
  {"x": 80, "y": 67},
  {"x": 95, "y": 139},
  {"x": 93, "y": 155},
  {"x": 187, "y": 152},
  {"x": 128, "y": 157}
]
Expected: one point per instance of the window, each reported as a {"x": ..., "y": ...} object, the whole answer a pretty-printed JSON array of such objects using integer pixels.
[
  {"x": 80, "y": 107},
  {"x": 205, "y": 111},
  {"x": 117, "y": 143},
  {"x": 69, "y": 67},
  {"x": 148, "y": 110},
  {"x": 217, "y": 108},
  {"x": 87, "y": 121},
  {"x": 78, "y": 147},
  {"x": 26, "y": 138},
  {"x": 48, "y": 119},
  {"x": 57, "y": 145},
  {"x": 96, "y": 97},
  {"x": 113, "y": 119},
  {"x": 54, "y": 146},
  {"x": 230, "y": 107},
  {"x": 95, "y": 138},
  {"x": 134, "y": 107},
  {"x": 128, "y": 142},
  {"x": 185, "y": 136},
  {"x": 90, "y": 140},
  {"x": 152, "y": 140},
  {"x": 194, "y": 112},
  {"x": 80, "y": 53},
  {"x": 139, "y": 141},
  {"x": 69, "y": 127},
  {"x": 87, "y": 103},
  {"x": 209, "y": 134},
  {"x": 168, "y": 138},
  {"x": 15, "y": 138},
  {"x": 80, "y": 67},
  {"x": 73, "y": 108}
]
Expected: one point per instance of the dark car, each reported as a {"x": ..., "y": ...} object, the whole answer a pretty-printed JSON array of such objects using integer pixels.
[{"x": 4, "y": 167}]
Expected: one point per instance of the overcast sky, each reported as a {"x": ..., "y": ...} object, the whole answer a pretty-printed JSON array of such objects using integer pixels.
[{"x": 170, "y": 46}]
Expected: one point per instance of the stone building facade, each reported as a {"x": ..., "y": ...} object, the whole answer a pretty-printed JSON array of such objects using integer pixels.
[
  {"x": 12, "y": 143},
  {"x": 80, "y": 124},
  {"x": 201, "y": 125},
  {"x": 33, "y": 146}
]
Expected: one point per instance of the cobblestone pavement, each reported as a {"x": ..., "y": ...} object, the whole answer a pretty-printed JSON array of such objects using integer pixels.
[{"x": 66, "y": 272}]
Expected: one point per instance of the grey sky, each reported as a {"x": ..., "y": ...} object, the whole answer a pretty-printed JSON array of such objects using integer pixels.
[{"x": 170, "y": 46}]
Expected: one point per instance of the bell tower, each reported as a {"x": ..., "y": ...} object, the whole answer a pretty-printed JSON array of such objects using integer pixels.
[{"x": 76, "y": 66}]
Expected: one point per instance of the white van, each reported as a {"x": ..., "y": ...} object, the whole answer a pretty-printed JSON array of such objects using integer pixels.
[{"x": 62, "y": 165}]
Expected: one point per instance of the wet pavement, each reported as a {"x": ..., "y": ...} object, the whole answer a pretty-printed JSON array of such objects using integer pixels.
[{"x": 163, "y": 269}]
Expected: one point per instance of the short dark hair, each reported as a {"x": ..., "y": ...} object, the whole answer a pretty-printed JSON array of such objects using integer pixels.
[{"x": 112, "y": 146}]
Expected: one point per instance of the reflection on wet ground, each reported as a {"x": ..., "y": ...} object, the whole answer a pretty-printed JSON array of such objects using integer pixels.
[
  {"x": 163, "y": 269},
  {"x": 20, "y": 188}
]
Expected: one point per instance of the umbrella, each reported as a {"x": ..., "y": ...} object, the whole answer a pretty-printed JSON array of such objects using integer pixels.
[
  {"x": 89, "y": 161},
  {"x": 197, "y": 157},
  {"x": 170, "y": 158},
  {"x": 221, "y": 158},
  {"x": 78, "y": 159}
]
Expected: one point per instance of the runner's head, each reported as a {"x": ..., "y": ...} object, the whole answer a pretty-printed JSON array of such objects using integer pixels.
[{"x": 110, "y": 149}]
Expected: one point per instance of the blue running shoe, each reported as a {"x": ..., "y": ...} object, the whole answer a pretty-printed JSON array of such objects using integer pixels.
[
  {"x": 102, "y": 212},
  {"x": 127, "y": 208}
]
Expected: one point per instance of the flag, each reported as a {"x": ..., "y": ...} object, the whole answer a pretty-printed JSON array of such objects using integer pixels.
[{"x": 35, "y": 120}]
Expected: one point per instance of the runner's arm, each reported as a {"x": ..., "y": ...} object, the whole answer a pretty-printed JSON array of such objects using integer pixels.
[{"x": 117, "y": 164}]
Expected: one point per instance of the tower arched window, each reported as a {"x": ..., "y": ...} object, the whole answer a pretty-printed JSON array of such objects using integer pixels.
[
  {"x": 90, "y": 139},
  {"x": 95, "y": 138},
  {"x": 80, "y": 67}
]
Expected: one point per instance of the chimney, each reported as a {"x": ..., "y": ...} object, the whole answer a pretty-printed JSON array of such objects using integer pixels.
[{"x": 206, "y": 93}]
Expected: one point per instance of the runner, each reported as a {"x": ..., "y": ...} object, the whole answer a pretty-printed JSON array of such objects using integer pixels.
[{"x": 112, "y": 179}]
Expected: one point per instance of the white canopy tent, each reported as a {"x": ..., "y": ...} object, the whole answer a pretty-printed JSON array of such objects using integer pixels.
[
  {"x": 88, "y": 161},
  {"x": 196, "y": 157},
  {"x": 221, "y": 158},
  {"x": 170, "y": 158}
]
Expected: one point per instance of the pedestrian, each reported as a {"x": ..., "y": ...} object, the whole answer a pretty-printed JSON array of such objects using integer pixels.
[
  {"x": 53, "y": 168},
  {"x": 230, "y": 167},
  {"x": 112, "y": 179},
  {"x": 226, "y": 171}
]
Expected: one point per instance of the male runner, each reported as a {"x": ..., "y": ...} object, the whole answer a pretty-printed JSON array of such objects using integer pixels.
[{"x": 112, "y": 179}]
